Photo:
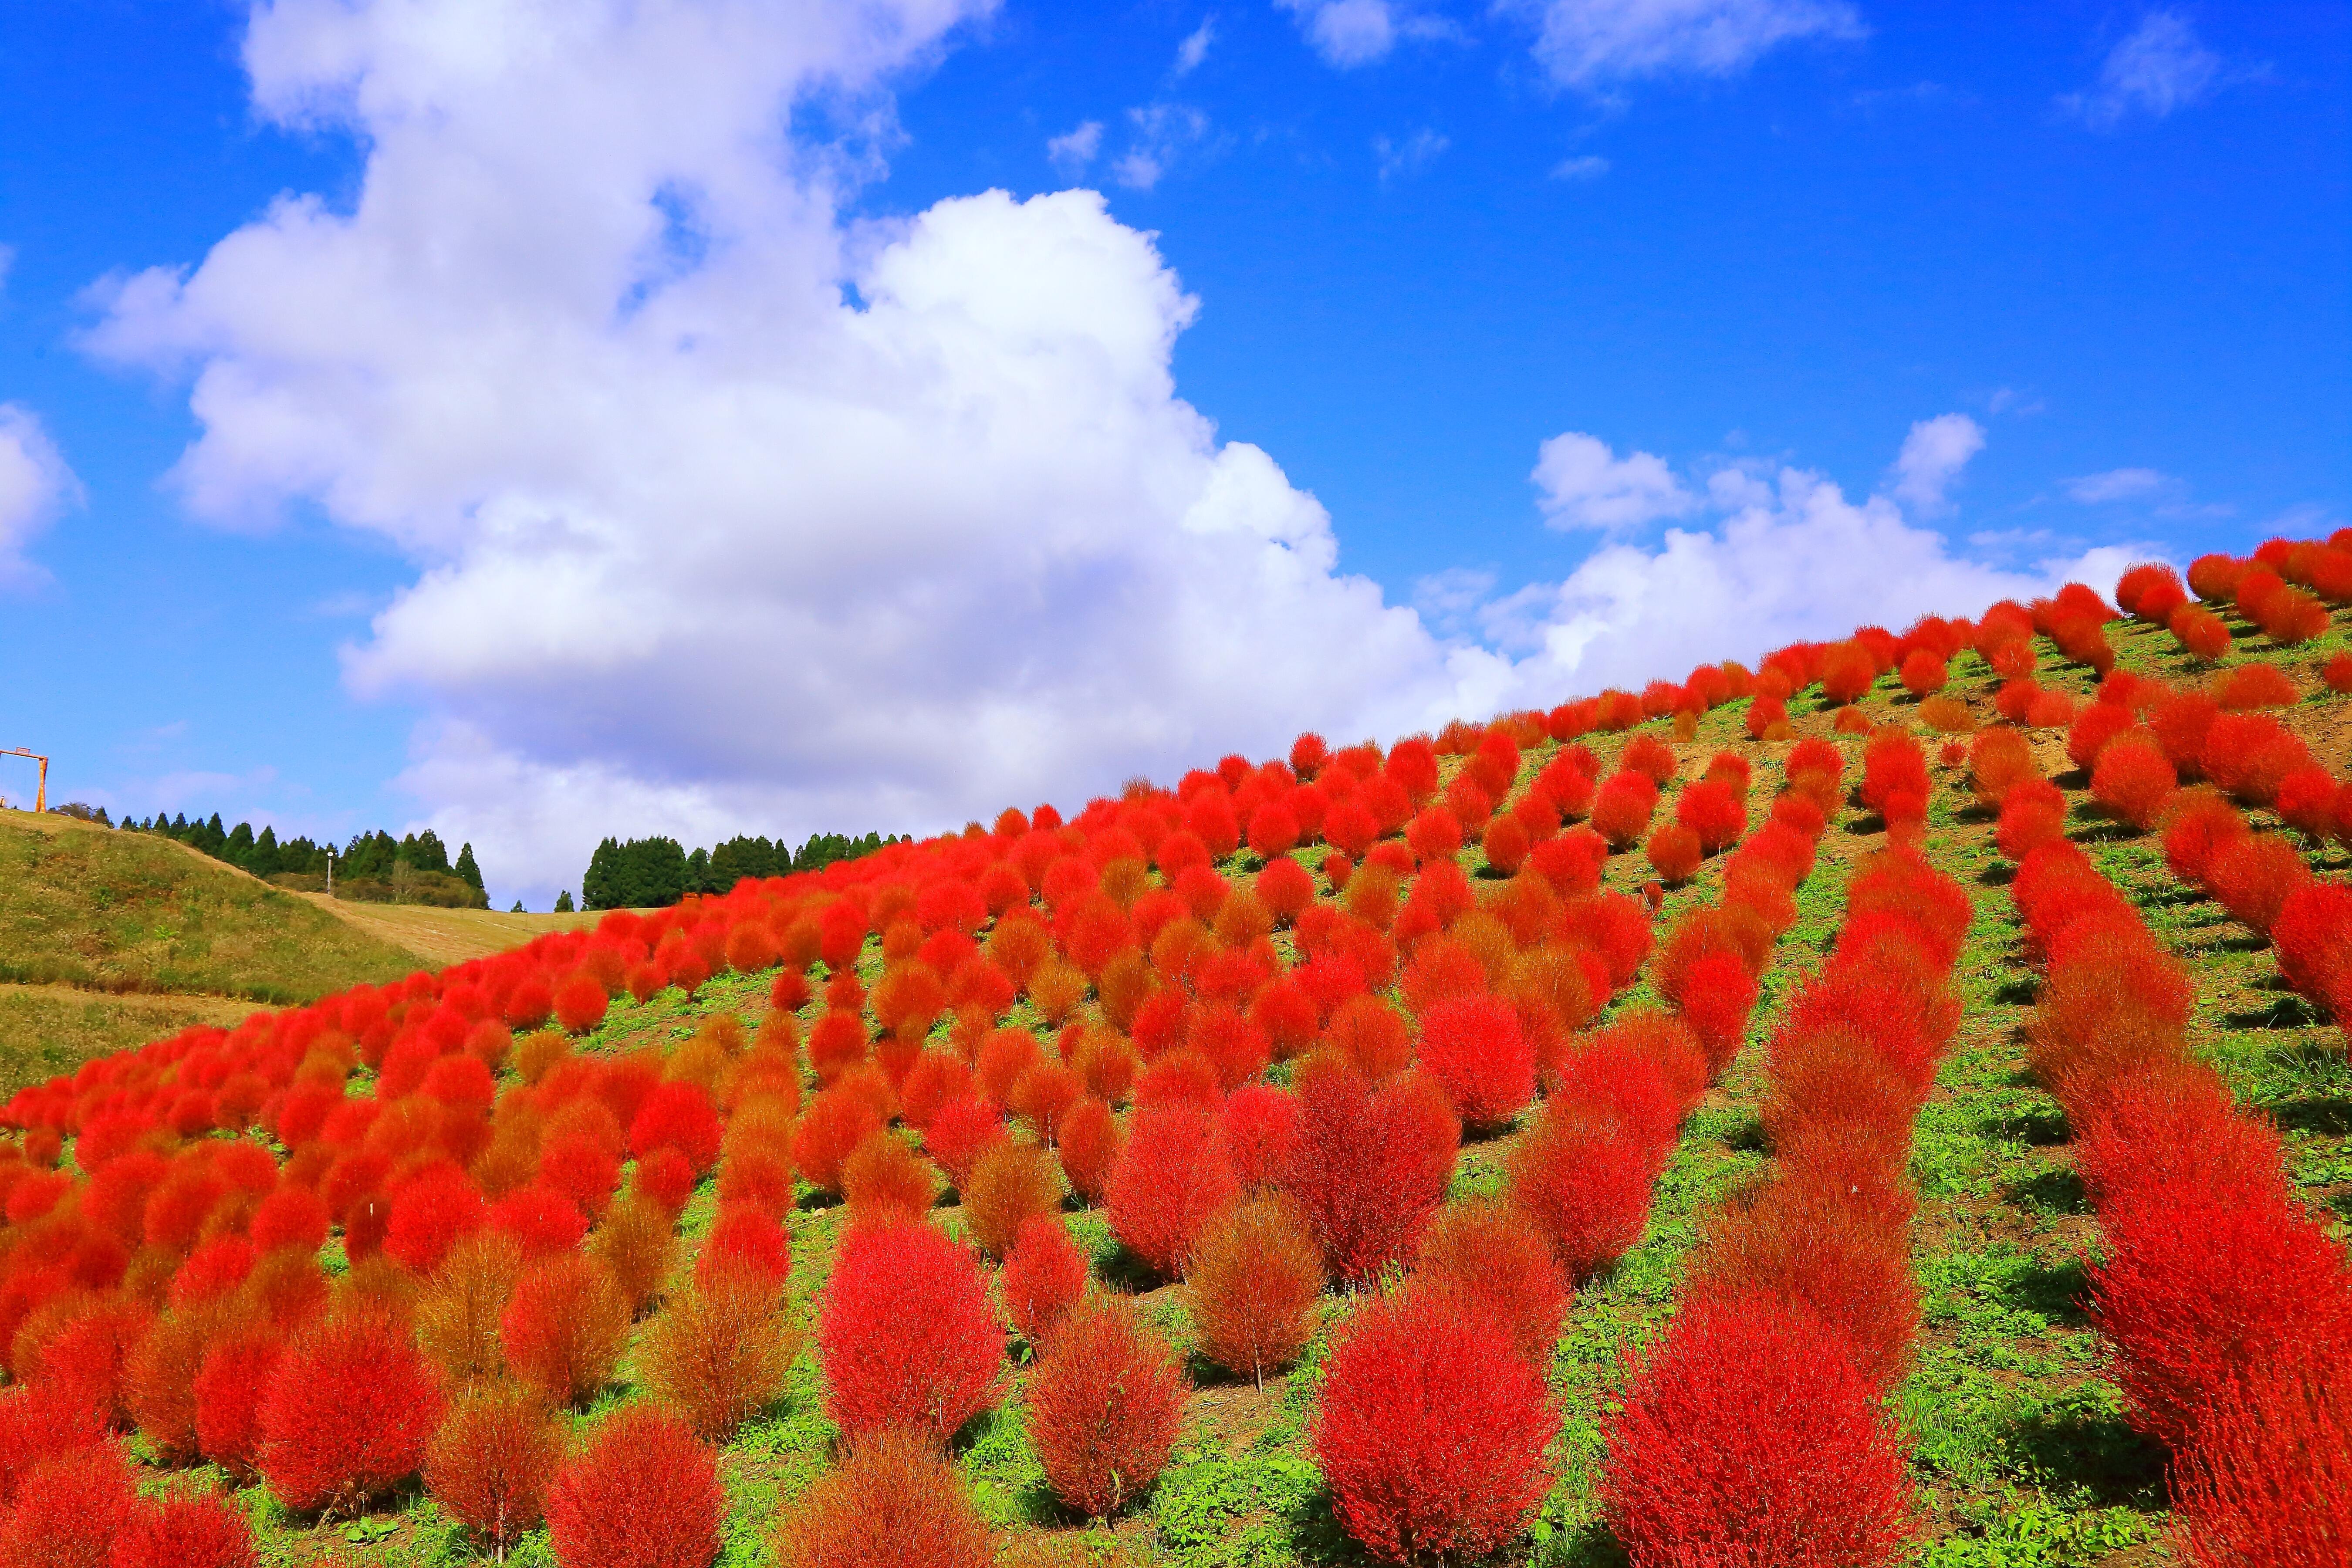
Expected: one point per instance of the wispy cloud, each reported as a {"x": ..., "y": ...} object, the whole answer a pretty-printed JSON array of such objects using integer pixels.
[
  {"x": 1592, "y": 44},
  {"x": 1588, "y": 166},
  {"x": 1931, "y": 459},
  {"x": 1163, "y": 133},
  {"x": 2160, "y": 67},
  {"x": 1073, "y": 150},
  {"x": 1351, "y": 33},
  {"x": 1195, "y": 48},
  {"x": 1410, "y": 156},
  {"x": 2120, "y": 484}
]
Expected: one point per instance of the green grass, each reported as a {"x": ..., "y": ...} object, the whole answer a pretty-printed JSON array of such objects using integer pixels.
[{"x": 115, "y": 911}]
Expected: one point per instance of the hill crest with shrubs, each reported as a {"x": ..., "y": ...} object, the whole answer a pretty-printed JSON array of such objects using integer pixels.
[{"x": 1882, "y": 1106}]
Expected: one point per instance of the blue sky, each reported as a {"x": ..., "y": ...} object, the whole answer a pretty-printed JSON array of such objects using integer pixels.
[{"x": 826, "y": 498}]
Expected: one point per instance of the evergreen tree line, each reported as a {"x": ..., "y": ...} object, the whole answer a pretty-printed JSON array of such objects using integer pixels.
[
  {"x": 653, "y": 873},
  {"x": 369, "y": 857}
]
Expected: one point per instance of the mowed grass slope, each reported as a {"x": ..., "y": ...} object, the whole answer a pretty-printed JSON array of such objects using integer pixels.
[{"x": 109, "y": 940}]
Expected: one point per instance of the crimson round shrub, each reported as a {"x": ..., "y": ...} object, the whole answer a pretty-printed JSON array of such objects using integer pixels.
[
  {"x": 642, "y": 1492},
  {"x": 1372, "y": 1164},
  {"x": 1585, "y": 1181},
  {"x": 1748, "y": 1436},
  {"x": 1493, "y": 1260},
  {"x": 1170, "y": 1176},
  {"x": 1475, "y": 1047},
  {"x": 185, "y": 1530},
  {"x": 1430, "y": 1430},
  {"x": 350, "y": 1410},
  {"x": 1105, "y": 1406},
  {"x": 1043, "y": 1278},
  {"x": 906, "y": 1335},
  {"x": 579, "y": 1002},
  {"x": 69, "y": 1508},
  {"x": 2267, "y": 1478}
]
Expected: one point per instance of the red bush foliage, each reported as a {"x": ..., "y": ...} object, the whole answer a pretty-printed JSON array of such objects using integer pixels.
[
  {"x": 1043, "y": 1278},
  {"x": 1622, "y": 808},
  {"x": 1171, "y": 1175},
  {"x": 185, "y": 1530},
  {"x": 895, "y": 1502},
  {"x": 1255, "y": 1277},
  {"x": 1748, "y": 1436},
  {"x": 1586, "y": 1183},
  {"x": 565, "y": 1326},
  {"x": 1432, "y": 1429},
  {"x": 491, "y": 1465},
  {"x": 643, "y": 1492},
  {"x": 2268, "y": 1477},
  {"x": 1474, "y": 1046},
  {"x": 69, "y": 1508},
  {"x": 1105, "y": 1404},
  {"x": 350, "y": 1409},
  {"x": 1372, "y": 1163},
  {"x": 1492, "y": 1258},
  {"x": 906, "y": 1335},
  {"x": 580, "y": 1003},
  {"x": 2133, "y": 780}
]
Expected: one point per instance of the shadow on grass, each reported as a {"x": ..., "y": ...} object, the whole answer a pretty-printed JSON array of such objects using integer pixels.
[
  {"x": 2053, "y": 1191},
  {"x": 2329, "y": 1115},
  {"x": 2054, "y": 1292},
  {"x": 2081, "y": 1443}
]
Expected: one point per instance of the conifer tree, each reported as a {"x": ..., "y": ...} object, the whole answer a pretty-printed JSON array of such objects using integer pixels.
[{"x": 467, "y": 871}]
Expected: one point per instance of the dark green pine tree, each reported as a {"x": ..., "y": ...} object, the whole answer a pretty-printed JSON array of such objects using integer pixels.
[
  {"x": 265, "y": 859},
  {"x": 697, "y": 873},
  {"x": 600, "y": 888},
  {"x": 467, "y": 871},
  {"x": 563, "y": 899},
  {"x": 210, "y": 837}
]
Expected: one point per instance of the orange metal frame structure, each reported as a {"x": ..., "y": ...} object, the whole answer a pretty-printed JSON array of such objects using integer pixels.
[{"x": 41, "y": 790}]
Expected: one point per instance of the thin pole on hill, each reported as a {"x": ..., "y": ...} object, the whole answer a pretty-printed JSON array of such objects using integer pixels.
[{"x": 41, "y": 790}]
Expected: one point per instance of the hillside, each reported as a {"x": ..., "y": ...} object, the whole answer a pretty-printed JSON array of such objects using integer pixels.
[
  {"x": 1538, "y": 1122},
  {"x": 91, "y": 919}
]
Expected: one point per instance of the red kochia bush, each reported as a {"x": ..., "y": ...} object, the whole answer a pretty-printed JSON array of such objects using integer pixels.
[
  {"x": 1043, "y": 1278},
  {"x": 1372, "y": 1164},
  {"x": 1475, "y": 1047},
  {"x": 1105, "y": 1406},
  {"x": 1170, "y": 1176},
  {"x": 184, "y": 1531},
  {"x": 69, "y": 1508},
  {"x": 490, "y": 1464},
  {"x": 1748, "y": 1437},
  {"x": 2268, "y": 1477},
  {"x": 1622, "y": 808},
  {"x": 906, "y": 1335},
  {"x": 1432, "y": 1430},
  {"x": 643, "y": 1493},
  {"x": 1585, "y": 1181},
  {"x": 349, "y": 1412},
  {"x": 580, "y": 1003},
  {"x": 895, "y": 1502}
]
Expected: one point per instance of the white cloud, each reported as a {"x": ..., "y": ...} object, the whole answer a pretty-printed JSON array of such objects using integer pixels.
[
  {"x": 2158, "y": 67},
  {"x": 7, "y": 260},
  {"x": 2119, "y": 484},
  {"x": 35, "y": 487},
  {"x": 1594, "y": 43},
  {"x": 1585, "y": 485},
  {"x": 1794, "y": 559},
  {"x": 1073, "y": 149},
  {"x": 1933, "y": 455},
  {"x": 1589, "y": 166},
  {"x": 1162, "y": 133},
  {"x": 1350, "y": 33},
  {"x": 786, "y": 525},
  {"x": 727, "y": 514},
  {"x": 1195, "y": 48},
  {"x": 1412, "y": 155}
]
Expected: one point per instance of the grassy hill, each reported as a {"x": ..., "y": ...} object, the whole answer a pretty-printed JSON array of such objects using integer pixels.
[{"x": 111, "y": 939}]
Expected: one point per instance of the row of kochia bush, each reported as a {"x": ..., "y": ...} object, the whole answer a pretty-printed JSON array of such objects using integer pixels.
[
  {"x": 1754, "y": 1430},
  {"x": 2228, "y": 1306},
  {"x": 510, "y": 1210}
]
